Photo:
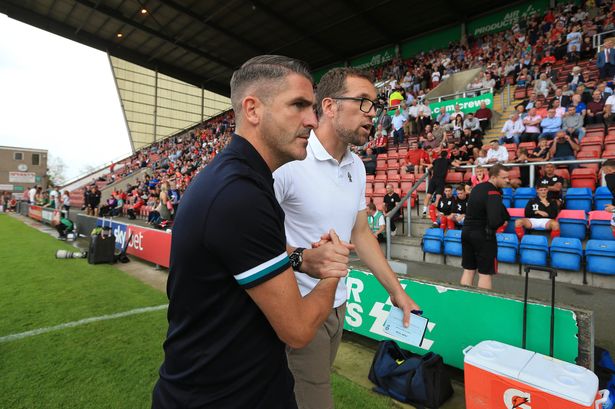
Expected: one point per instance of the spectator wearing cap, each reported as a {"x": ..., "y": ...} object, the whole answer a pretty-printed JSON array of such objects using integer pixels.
[
  {"x": 483, "y": 114},
  {"x": 497, "y": 153},
  {"x": 513, "y": 129},
  {"x": 595, "y": 110},
  {"x": 550, "y": 125}
]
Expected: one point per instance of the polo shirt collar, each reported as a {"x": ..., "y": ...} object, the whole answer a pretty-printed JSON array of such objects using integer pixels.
[
  {"x": 245, "y": 150},
  {"x": 321, "y": 154}
]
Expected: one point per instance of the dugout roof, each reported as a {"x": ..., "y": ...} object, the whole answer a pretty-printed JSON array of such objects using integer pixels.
[{"x": 201, "y": 42}]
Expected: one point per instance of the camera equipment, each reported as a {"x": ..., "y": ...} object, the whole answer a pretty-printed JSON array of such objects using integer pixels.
[{"x": 70, "y": 254}]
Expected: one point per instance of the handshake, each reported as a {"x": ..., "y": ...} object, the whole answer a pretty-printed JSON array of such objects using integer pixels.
[{"x": 328, "y": 258}]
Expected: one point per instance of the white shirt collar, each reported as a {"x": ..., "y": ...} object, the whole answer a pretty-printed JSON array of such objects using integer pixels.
[{"x": 321, "y": 154}]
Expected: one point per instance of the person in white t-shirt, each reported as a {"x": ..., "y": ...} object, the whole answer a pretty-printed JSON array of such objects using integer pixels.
[
  {"x": 497, "y": 153},
  {"x": 32, "y": 195},
  {"x": 327, "y": 191},
  {"x": 609, "y": 109}
]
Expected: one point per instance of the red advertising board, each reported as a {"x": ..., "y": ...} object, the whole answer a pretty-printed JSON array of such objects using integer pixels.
[
  {"x": 148, "y": 244},
  {"x": 36, "y": 213}
]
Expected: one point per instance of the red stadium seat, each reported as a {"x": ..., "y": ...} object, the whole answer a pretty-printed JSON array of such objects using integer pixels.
[
  {"x": 528, "y": 145},
  {"x": 380, "y": 177},
  {"x": 369, "y": 178},
  {"x": 379, "y": 185},
  {"x": 369, "y": 187},
  {"x": 592, "y": 140},
  {"x": 584, "y": 177},
  {"x": 406, "y": 186},
  {"x": 395, "y": 178},
  {"x": 454, "y": 177},
  {"x": 571, "y": 214},
  {"x": 407, "y": 177},
  {"x": 516, "y": 212},
  {"x": 563, "y": 173}
]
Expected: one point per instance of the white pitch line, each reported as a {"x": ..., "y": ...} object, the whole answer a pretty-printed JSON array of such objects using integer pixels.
[{"x": 21, "y": 335}]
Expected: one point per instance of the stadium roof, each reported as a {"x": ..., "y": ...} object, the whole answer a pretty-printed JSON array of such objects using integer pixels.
[{"x": 201, "y": 42}]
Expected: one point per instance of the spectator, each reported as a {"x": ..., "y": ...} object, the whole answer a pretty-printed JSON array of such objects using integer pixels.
[
  {"x": 443, "y": 118},
  {"x": 390, "y": 201},
  {"x": 415, "y": 160},
  {"x": 457, "y": 127},
  {"x": 587, "y": 49},
  {"x": 369, "y": 160},
  {"x": 497, "y": 153},
  {"x": 572, "y": 123},
  {"x": 559, "y": 110},
  {"x": 524, "y": 171},
  {"x": 565, "y": 147},
  {"x": 65, "y": 200},
  {"x": 550, "y": 125},
  {"x": 381, "y": 140},
  {"x": 472, "y": 123},
  {"x": 605, "y": 61},
  {"x": 109, "y": 206},
  {"x": 531, "y": 122},
  {"x": 470, "y": 140},
  {"x": 443, "y": 209},
  {"x": 423, "y": 119},
  {"x": 439, "y": 170},
  {"x": 458, "y": 214},
  {"x": 595, "y": 110},
  {"x": 429, "y": 142},
  {"x": 457, "y": 112},
  {"x": 64, "y": 226},
  {"x": 575, "y": 78},
  {"x": 554, "y": 183},
  {"x": 480, "y": 175},
  {"x": 540, "y": 153},
  {"x": 484, "y": 115},
  {"x": 376, "y": 222},
  {"x": 541, "y": 109},
  {"x": 540, "y": 213},
  {"x": 543, "y": 85},
  {"x": 398, "y": 121},
  {"x": 564, "y": 100},
  {"x": 413, "y": 114},
  {"x": 513, "y": 129},
  {"x": 462, "y": 157}
]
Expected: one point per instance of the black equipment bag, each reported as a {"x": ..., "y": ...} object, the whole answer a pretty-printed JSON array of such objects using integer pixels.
[
  {"x": 410, "y": 378},
  {"x": 552, "y": 274},
  {"x": 102, "y": 247}
]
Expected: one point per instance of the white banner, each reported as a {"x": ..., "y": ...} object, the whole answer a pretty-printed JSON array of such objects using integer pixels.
[
  {"x": 22, "y": 177},
  {"x": 6, "y": 187}
]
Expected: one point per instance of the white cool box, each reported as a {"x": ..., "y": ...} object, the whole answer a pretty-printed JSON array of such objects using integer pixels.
[{"x": 500, "y": 376}]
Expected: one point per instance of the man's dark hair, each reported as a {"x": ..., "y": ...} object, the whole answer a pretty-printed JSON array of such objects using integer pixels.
[
  {"x": 444, "y": 154},
  {"x": 495, "y": 170},
  {"x": 461, "y": 187},
  {"x": 333, "y": 84},
  {"x": 265, "y": 71},
  {"x": 448, "y": 187},
  {"x": 610, "y": 163}
]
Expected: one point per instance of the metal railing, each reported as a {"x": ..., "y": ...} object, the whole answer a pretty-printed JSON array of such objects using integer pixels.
[
  {"x": 597, "y": 39},
  {"x": 532, "y": 166},
  {"x": 407, "y": 198}
]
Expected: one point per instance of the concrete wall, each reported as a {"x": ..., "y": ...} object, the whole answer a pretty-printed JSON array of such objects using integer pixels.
[{"x": 453, "y": 84}]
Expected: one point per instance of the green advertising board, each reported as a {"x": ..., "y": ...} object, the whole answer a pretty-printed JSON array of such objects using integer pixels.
[
  {"x": 505, "y": 19},
  {"x": 372, "y": 59},
  {"x": 459, "y": 318},
  {"x": 469, "y": 104}
]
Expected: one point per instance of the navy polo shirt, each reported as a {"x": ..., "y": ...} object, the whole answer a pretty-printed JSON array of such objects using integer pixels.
[{"x": 220, "y": 351}]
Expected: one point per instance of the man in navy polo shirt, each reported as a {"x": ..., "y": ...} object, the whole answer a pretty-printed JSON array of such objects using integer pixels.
[{"x": 234, "y": 302}]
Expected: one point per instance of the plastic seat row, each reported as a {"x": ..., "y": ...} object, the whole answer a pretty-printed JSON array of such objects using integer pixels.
[{"x": 576, "y": 198}]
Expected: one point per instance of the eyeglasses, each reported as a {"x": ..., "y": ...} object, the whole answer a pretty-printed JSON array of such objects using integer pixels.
[{"x": 366, "y": 104}]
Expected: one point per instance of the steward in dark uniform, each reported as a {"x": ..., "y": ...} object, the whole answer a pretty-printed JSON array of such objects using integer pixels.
[{"x": 485, "y": 213}]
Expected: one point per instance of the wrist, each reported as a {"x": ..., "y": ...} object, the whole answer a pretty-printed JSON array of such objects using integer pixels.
[{"x": 297, "y": 259}]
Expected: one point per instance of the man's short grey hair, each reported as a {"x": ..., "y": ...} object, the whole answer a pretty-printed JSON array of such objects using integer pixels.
[{"x": 264, "y": 71}]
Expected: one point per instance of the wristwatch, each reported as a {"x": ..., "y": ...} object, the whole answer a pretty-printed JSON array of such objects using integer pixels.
[{"x": 296, "y": 258}]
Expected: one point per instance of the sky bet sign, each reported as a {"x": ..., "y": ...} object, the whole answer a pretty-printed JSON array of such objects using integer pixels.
[{"x": 147, "y": 244}]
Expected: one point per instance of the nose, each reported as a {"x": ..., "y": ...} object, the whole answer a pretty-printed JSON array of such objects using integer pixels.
[{"x": 311, "y": 119}]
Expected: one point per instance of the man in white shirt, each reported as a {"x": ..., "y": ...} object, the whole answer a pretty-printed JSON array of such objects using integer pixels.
[
  {"x": 497, "y": 153},
  {"x": 512, "y": 130},
  {"x": 328, "y": 189},
  {"x": 413, "y": 113},
  {"x": 609, "y": 109},
  {"x": 32, "y": 194},
  {"x": 398, "y": 127}
]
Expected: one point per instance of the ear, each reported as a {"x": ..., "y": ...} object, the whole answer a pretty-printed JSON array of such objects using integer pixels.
[
  {"x": 252, "y": 109},
  {"x": 329, "y": 107}
]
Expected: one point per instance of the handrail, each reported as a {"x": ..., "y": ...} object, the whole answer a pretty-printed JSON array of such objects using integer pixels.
[
  {"x": 394, "y": 211},
  {"x": 533, "y": 164},
  {"x": 597, "y": 39},
  {"x": 460, "y": 93}
]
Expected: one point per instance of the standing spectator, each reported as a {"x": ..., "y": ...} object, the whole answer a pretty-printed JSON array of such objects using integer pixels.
[
  {"x": 550, "y": 125},
  {"x": 485, "y": 214},
  {"x": 32, "y": 195},
  {"x": 540, "y": 213},
  {"x": 595, "y": 110},
  {"x": 398, "y": 121},
  {"x": 66, "y": 202},
  {"x": 605, "y": 61},
  {"x": 572, "y": 123},
  {"x": 381, "y": 140},
  {"x": 565, "y": 147},
  {"x": 484, "y": 115},
  {"x": 390, "y": 201},
  {"x": 513, "y": 129},
  {"x": 413, "y": 114},
  {"x": 497, "y": 153}
]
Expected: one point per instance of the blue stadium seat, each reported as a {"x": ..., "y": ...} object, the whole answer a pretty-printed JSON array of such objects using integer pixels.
[
  {"x": 566, "y": 253},
  {"x": 600, "y": 225},
  {"x": 523, "y": 195},
  {"x": 602, "y": 197},
  {"x": 514, "y": 214},
  {"x": 573, "y": 224},
  {"x": 452, "y": 243},
  {"x": 579, "y": 198},
  {"x": 432, "y": 241},
  {"x": 534, "y": 250},
  {"x": 600, "y": 256},
  {"x": 508, "y": 245},
  {"x": 507, "y": 196}
]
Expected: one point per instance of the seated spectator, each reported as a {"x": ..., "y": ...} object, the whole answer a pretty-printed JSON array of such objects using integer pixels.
[
  {"x": 443, "y": 209},
  {"x": 587, "y": 49},
  {"x": 584, "y": 93},
  {"x": 480, "y": 156},
  {"x": 575, "y": 78},
  {"x": 460, "y": 156},
  {"x": 543, "y": 85},
  {"x": 484, "y": 115},
  {"x": 457, "y": 112},
  {"x": 530, "y": 102},
  {"x": 429, "y": 142},
  {"x": 136, "y": 207},
  {"x": 540, "y": 213},
  {"x": 564, "y": 100},
  {"x": 608, "y": 171},
  {"x": 540, "y": 153},
  {"x": 541, "y": 109},
  {"x": 458, "y": 213},
  {"x": 439, "y": 134},
  {"x": 376, "y": 222},
  {"x": 565, "y": 147},
  {"x": 554, "y": 183},
  {"x": 105, "y": 209},
  {"x": 471, "y": 140},
  {"x": 595, "y": 110},
  {"x": 472, "y": 123},
  {"x": 609, "y": 108},
  {"x": 457, "y": 126},
  {"x": 547, "y": 59},
  {"x": 443, "y": 118},
  {"x": 572, "y": 123},
  {"x": 524, "y": 171},
  {"x": 513, "y": 129},
  {"x": 531, "y": 122},
  {"x": 497, "y": 153},
  {"x": 480, "y": 175},
  {"x": 369, "y": 160},
  {"x": 573, "y": 56},
  {"x": 390, "y": 201},
  {"x": 523, "y": 78},
  {"x": 550, "y": 125},
  {"x": 415, "y": 160},
  {"x": 559, "y": 110}
]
